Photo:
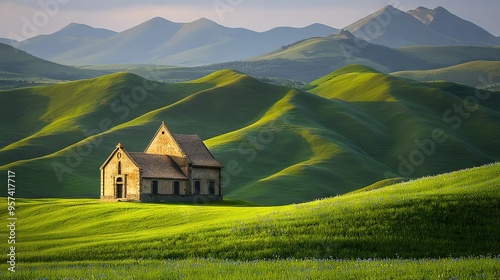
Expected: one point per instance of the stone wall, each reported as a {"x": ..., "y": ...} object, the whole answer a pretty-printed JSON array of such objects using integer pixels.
[
  {"x": 196, "y": 199},
  {"x": 205, "y": 175},
  {"x": 165, "y": 186},
  {"x": 129, "y": 175}
]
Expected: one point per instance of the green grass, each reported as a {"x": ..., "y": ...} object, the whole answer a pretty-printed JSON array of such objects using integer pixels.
[
  {"x": 436, "y": 227},
  {"x": 467, "y": 73},
  {"x": 279, "y": 145},
  {"x": 452, "y": 215},
  {"x": 473, "y": 268}
]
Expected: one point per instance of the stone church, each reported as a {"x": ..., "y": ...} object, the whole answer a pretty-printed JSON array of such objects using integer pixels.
[{"x": 173, "y": 168}]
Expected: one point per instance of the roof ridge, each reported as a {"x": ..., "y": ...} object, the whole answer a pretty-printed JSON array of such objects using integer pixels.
[{"x": 157, "y": 165}]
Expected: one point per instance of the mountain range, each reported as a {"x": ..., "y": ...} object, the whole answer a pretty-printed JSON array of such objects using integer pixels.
[
  {"x": 448, "y": 24},
  {"x": 159, "y": 41},
  {"x": 310, "y": 59},
  {"x": 394, "y": 28},
  {"x": 349, "y": 129},
  {"x": 202, "y": 42}
]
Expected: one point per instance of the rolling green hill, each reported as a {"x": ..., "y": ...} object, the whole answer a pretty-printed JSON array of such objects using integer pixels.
[
  {"x": 475, "y": 74},
  {"x": 446, "y": 56},
  {"x": 353, "y": 128},
  {"x": 311, "y": 59},
  {"x": 16, "y": 65},
  {"x": 451, "y": 215}
]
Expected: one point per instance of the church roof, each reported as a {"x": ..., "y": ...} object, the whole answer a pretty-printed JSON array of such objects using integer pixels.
[
  {"x": 196, "y": 152},
  {"x": 157, "y": 166}
]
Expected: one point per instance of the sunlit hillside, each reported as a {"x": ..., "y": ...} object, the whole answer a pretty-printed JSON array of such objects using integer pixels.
[
  {"x": 353, "y": 128},
  {"x": 454, "y": 214}
]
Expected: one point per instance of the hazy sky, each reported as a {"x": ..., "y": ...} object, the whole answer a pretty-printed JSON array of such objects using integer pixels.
[{"x": 28, "y": 18}]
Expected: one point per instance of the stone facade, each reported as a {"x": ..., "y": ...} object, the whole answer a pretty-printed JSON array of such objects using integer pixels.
[{"x": 173, "y": 168}]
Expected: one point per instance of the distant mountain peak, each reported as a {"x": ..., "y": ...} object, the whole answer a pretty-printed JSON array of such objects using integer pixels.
[
  {"x": 391, "y": 9},
  {"x": 78, "y": 30},
  {"x": 157, "y": 21},
  {"x": 80, "y": 27},
  {"x": 204, "y": 22},
  {"x": 204, "y": 19},
  {"x": 73, "y": 24},
  {"x": 444, "y": 22},
  {"x": 441, "y": 9},
  {"x": 344, "y": 34},
  {"x": 425, "y": 15}
]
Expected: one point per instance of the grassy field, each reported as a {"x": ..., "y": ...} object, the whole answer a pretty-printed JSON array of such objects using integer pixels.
[
  {"x": 352, "y": 128},
  {"x": 462, "y": 268},
  {"x": 475, "y": 74},
  {"x": 449, "y": 215},
  {"x": 443, "y": 226}
]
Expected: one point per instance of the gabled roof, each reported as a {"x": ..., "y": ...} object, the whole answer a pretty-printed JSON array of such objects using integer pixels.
[
  {"x": 196, "y": 151},
  {"x": 119, "y": 147},
  {"x": 163, "y": 166},
  {"x": 157, "y": 166},
  {"x": 161, "y": 135}
]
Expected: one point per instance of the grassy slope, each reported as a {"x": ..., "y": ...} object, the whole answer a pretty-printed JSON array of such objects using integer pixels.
[
  {"x": 17, "y": 64},
  {"x": 58, "y": 137},
  {"x": 280, "y": 146},
  {"x": 311, "y": 59},
  {"x": 467, "y": 73},
  {"x": 455, "y": 214},
  {"x": 346, "y": 50},
  {"x": 407, "y": 111},
  {"x": 449, "y": 56},
  {"x": 319, "y": 56},
  {"x": 197, "y": 269}
]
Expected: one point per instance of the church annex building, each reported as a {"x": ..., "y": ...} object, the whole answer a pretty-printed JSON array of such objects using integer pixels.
[{"x": 173, "y": 168}]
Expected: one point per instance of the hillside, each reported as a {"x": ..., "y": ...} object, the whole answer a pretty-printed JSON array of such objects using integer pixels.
[
  {"x": 355, "y": 127},
  {"x": 18, "y": 65},
  {"x": 313, "y": 58},
  {"x": 446, "y": 56},
  {"x": 310, "y": 59},
  {"x": 7, "y": 41},
  {"x": 452, "y": 215},
  {"x": 475, "y": 74},
  {"x": 72, "y": 36},
  {"x": 343, "y": 46}
]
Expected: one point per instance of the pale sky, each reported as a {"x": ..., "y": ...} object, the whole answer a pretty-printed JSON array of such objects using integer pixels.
[{"x": 22, "y": 19}]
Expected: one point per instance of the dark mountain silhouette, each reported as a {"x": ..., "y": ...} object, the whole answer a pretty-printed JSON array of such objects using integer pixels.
[
  {"x": 446, "y": 23},
  {"x": 394, "y": 28}
]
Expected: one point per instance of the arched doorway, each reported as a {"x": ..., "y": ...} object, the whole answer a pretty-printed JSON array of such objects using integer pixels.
[{"x": 119, "y": 188}]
